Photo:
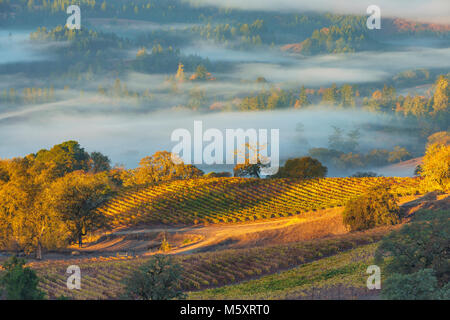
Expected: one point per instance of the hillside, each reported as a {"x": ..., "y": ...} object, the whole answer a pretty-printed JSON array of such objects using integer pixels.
[{"x": 228, "y": 200}]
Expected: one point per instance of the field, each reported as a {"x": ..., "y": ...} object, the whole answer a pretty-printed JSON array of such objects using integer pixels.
[
  {"x": 102, "y": 276},
  {"x": 304, "y": 255},
  {"x": 342, "y": 276},
  {"x": 231, "y": 200}
]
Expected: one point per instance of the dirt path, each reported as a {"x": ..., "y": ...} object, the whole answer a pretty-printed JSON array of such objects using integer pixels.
[
  {"x": 207, "y": 236},
  {"x": 147, "y": 240}
]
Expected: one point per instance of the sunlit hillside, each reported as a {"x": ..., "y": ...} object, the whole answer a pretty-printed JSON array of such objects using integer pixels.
[{"x": 222, "y": 200}]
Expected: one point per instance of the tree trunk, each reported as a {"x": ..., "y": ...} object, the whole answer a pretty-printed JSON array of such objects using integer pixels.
[
  {"x": 80, "y": 240},
  {"x": 39, "y": 251}
]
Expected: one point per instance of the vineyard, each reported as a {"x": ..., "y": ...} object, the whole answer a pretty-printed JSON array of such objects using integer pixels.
[
  {"x": 102, "y": 278},
  {"x": 232, "y": 200}
]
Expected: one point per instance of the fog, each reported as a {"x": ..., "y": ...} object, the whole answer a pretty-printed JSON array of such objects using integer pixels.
[
  {"x": 347, "y": 68},
  {"x": 132, "y": 28},
  {"x": 423, "y": 10},
  {"x": 216, "y": 52},
  {"x": 127, "y": 131},
  {"x": 128, "y": 138},
  {"x": 15, "y": 46}
]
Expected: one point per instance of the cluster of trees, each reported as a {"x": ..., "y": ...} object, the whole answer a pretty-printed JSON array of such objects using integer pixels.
[
  {"x": 239, "y": 35},
  {"x": 119, "y": 90},
  {"x": 412, "y": 77},
  {"x": 84, "y": 43},
  {"x": 342, "y": 152},
  {"x": 276, "y": 98},
  {"x": 162, "y": 166},
  {"x": 28, "y": 95},
  {"x": 433, "y": 107},
  {"x": 48, "y": 199},
  {"x": 335, "y": 39},
  {"x": 166, "y": 60},
  {"x": 354, "y": 160}
]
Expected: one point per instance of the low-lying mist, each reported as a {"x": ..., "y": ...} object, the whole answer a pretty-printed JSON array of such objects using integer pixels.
[{"x": 128, "y": 138}]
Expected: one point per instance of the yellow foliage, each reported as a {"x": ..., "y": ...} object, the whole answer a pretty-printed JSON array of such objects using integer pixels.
[{"x": 436, "y": 167}]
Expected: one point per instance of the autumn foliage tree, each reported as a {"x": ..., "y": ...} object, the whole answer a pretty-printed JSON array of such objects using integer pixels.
[
  {"x": 161, "y": 167},
  {"x": 441, "y": 94},
  {"x": 436, "y": 167},
  {"x": 24, "y": 222},
  {"x": 75, "y": 198},
  {"x": 40, "y": 193}
]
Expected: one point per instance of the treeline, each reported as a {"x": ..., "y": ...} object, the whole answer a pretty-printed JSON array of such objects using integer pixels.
[
  {"x": 166, "y": 60},
  {"x": 335, "y": 39},
  {"x": 319, "y": 33},
  {"x": 84, "y": 43},
  {"x": 28, "y": 95},
  {"x": 91, "y": 53},
  {"x": 348, "y": 161}
]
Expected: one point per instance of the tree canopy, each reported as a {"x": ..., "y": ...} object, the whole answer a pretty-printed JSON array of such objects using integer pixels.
[{"x": 305, "y": 168}]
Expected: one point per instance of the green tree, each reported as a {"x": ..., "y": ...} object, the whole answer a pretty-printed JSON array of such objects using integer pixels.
[
  {"x": 68, "y": 156},
  {"x": 304, "y": 168},
  {"x": 248, "y": 169},
  {"x": 201, "y": 72},
  {"x": 421, "y": 285},
  {"x": 157, "y": 279},
  {"x": 337, "y": 140},
  {"x": 399, "y": 154},
  {"x": 99, "y": 162},
  {"x": 19, "y": 282},
  {"x": 421, "y": 244},
  {"x": 375, "y": 208}
]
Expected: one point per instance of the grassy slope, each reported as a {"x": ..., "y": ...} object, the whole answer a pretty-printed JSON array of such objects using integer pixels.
[{"x": 344, "y": 272}]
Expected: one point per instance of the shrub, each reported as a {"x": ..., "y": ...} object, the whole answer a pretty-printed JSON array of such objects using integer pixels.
[
  {"x": 421, "y": 285},
  {"x": 157, "y": 279},
  {"x": 376, "y": 208},
  {"x": 165, "y": 246},
  {"x": 422, "y": 244},
  {"x": 368, "y": 174},
  {"x": 19, "y": 282}
]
